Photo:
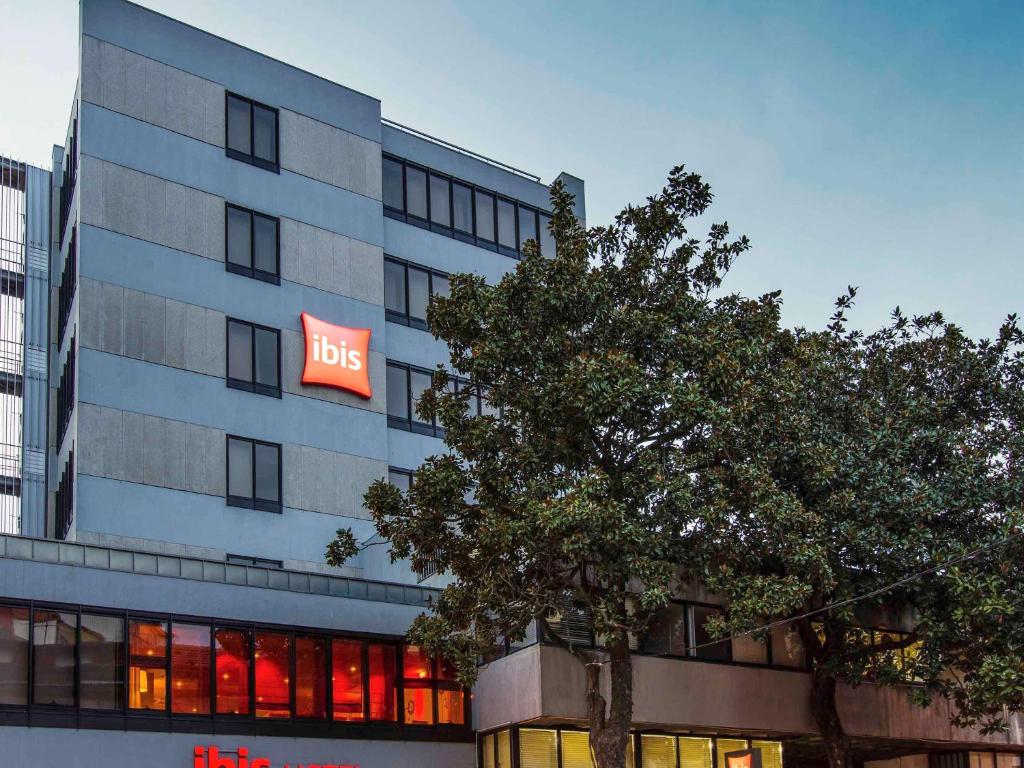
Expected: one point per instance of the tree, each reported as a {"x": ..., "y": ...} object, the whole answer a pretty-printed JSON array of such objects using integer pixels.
[
  {"x": 887, "y": 455},
  {"x": 616, "y": 374}
]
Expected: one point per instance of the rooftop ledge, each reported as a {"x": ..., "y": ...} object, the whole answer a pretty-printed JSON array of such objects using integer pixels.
[{"x": 217, "y": 572}]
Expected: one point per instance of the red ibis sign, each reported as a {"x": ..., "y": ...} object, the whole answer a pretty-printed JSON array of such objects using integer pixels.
[
  {"x": 336, "y": 356},
  {"x": 213, "y": 757}
]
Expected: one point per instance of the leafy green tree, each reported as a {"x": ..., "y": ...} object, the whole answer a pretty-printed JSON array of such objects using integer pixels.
[
  {"x": 616, "y": 373},
  {"x": 888, "y": 454}
]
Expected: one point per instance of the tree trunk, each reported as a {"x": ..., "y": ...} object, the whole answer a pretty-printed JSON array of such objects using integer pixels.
[
  {"x": 826, "y": 716},
  {"x": 609, "y": 722}
]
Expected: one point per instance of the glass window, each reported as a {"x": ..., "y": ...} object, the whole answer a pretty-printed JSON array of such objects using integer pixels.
[
  {"x": 147, "y": 664},
  {"x": 347, "y": 679},
  {"x": 13, "y": 655},
  {"x": 101, "y": 662},
  {"x": 506, "y": 224},
  {"x": 310, "y": 677},
  {"x": 418, "y": 686},
  {"x": 787, "y": 650},
  {"x": 547, "y": 240},
  {"x": 416, "y": 192},
  {"x": 239, "y": 237},
  {"x": 267, "y": 470},
  {"x": 451, "y": 702},
  {"x": 266, "y": 358},
  {"x": 239, "y": 468},
  {"x": 505, "y": 750},
  {"x": 473, "y": 401},
  {"x": 190, "y": 669},
  {"x": 392, "y": 174},
  {"x": 232, "y": 671},
  {"x": 723, "y": 746},
  {"x": 394, "y": 287},
  {"x": 484, "y": 216},
  {"x": 239, "y": 126},
  {"x": 419, "y": 294},
  {"x": 440, "y": 202},
  {"x": 264, "y": 133},
  {"x": 419, "y": 382},
  {"x": 695, "y": 752},
  {"x": 440, "y": 286},
  {"x": 771, "y": 753},
  {"x": 705, "y": 647},
  {"x": 383, "y": 693},
  {"x": 54, "y": 636},
  {"x": 239, "y": 351},
  {"x": 576, "y": 750},
  {"x": 487, "y": 750},
  {"x": 527, "y": 226},
  {"x": 538, "y": 748},
  {"x": 462, "y": 203},
  {"x": 264, "y": 232},
  {"x": 398, "y": 392},
  {"x": 666, "y": 632},
  {"x": 272, "y": 655},
  {"x": 400, "y": 478},
  {"x": 657, "y": 751}
]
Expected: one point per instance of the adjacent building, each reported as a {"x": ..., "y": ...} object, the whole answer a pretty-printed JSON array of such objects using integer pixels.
[{"x": 222, "y": 286}]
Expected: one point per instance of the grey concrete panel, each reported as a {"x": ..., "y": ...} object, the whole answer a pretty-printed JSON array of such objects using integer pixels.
[
  {"x": 134, "y": 441},
  {"x": 174, "y": 466},
  {"x": 325, "y": 153},
  {"x": 90, "y": 324},
  {"x": 126, "y": 82},
  {"x": 331, "y": 262},
  {"x": 153, "y": 330},
  {"x": 112, "y": 312},
  {"x": 134, "y": 321},
  {"x": 366, "y": 267},
  {"x": 174, "y": 342}
]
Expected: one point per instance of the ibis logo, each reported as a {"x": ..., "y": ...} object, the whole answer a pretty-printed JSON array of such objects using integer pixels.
[
  {"x": 212, "y": 757},
  {"x": 336, "y": 356}
]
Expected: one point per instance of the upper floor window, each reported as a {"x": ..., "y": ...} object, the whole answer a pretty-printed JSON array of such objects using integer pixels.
[
  {"x": 68, "y": 281},
  {"x": 254, "y": 474},
  {"x": 66, "y": 392},
  {"x": 252, "y": 132},
  {"x": 254, "y": 358},
  {"x": 400, "y": 478},
  {"x": 446, "y": 205},
  {"x": 253, "y": 244},
  {"x": 406, "y": 385},
  {"x": 408, "y": 290}
]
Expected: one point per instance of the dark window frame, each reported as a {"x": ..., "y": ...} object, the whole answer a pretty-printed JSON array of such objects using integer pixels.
[
  {"x": 242, "y": 384},
  {"x": 405, "y": 318},
  {"x": 245, "y": 502},
  {"x": 252, "y": 271},
  {"x": 251, "y": 158},
  {"x": 471, "y": 238}
]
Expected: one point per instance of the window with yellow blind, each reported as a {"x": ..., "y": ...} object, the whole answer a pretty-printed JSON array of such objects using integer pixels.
[
  {"x": 505, "y": 750},
  {"x": 487, "y": 751},
  {"x": 538, "y": 748},
  {"x": 694, "y": 752},
  {"x": 724, "y": 746},
  {"x": 771, "y": 753},
  {"x": 576, "y": 750},
  {"x": 657, "y": 751}
]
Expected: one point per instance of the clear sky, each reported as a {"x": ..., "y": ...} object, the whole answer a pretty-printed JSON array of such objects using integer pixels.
[{"x": 874, "y": 144}]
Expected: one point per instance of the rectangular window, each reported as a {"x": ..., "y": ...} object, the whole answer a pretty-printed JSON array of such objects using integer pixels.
[
  {"x": 251, "y": 132},
  {"x": 101, "y": 662},
  {"x": 232, "y": 671},
  {"x": 787, "y": 650},
  {"x": 418, "y": 687},
  {"x": 485, "y": 217},
  {"x": 419, "y": 296},
  {"x": 383, "y": 693},
  {"x": 406, "y": 384},
  {"x": 66, "y": 391},
  {"x": 147, "y": 665},
  {"x": 393, "y": 189},
  {"x": 13, "y": 655},
  {"x": 273, "y": 656},
  {"x": 254, "y": 474},
  {"x": 451, "y": 698},
  {"x": 462, "y": 208},
  {"x": 416, "y": 192},
  {"x": 724, "y": 746},
  {"x": 527, "y": 227},
  {"x": 440, "y": 201},
  {"x": 253, "y": 244},
  {"x": 400, "y": 478},
  {"x": 547, "y": 240},
  {"x": 68, "y": 283},
  {"x": 347, "y": 679},
  {"x": 538, "y": 748},
  {"x": 658, "y": 751},
  {"x": 190, "y": 669},
  {"x": 419, "y": 382},
  {"x": 507, "y": 226},
  {"x": 704, "y": 646},
  {"x": 311, "y": 677},
  {"x": 408, "y": 291},
  {"x": 54, "y": 639},
  {"x": 666, "y": 633},
  {"x": 394, "y": 291},
  {"x": 254, "y": 358}
]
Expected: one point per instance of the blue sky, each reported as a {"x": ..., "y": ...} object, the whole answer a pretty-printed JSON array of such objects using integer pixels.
[{"x": 873, "y": 144}]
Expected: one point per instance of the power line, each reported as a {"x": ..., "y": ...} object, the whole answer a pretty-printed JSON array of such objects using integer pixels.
[{"x": 865, "y": 596}]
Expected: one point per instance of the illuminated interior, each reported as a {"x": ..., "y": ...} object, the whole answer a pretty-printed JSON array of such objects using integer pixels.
[
  {"x": 273, "y": 662},
  {"x": 231, "y": 647},
  {"x": 347, "y": 679},
  {"x": 190, "y": 669},
  {"x": 147, "y": 670},
  {"x": 310, "y": 677}
]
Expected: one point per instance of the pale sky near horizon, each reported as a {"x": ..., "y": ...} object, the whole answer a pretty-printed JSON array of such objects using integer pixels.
[{"x": 870, "y": 143}]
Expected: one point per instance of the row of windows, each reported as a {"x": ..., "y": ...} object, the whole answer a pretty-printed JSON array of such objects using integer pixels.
[
  {"x": 69, "y": 177},
  {"x": 68, "y": 282},
  {"x": 406, "y": 385},
  {"x": 66, "y": 393},
  {"x": 107, "y": 662},
  {"x": 570, "y": 748},
  {"x": 462, "y": 210},
  {"x": 408, "y": 290},
  {"x": 64, "y": 510}
]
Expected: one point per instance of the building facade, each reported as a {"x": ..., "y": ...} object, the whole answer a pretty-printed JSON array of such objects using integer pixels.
[{"x": 240, "y": 258}]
